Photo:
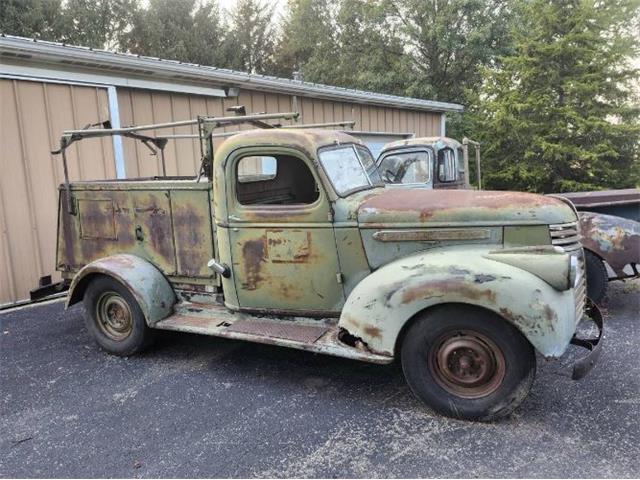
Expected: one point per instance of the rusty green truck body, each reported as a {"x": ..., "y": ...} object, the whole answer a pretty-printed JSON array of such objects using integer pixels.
[{"x": 289, "y": 238}]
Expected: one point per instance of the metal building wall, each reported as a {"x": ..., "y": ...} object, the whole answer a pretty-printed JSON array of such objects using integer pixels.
[{"x": 32, "y": 118}]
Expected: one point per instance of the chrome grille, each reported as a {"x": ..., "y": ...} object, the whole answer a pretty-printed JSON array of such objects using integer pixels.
[{"x": 567, "y": 237}]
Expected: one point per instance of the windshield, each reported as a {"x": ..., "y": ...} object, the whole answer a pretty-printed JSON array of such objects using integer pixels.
[
  {"x": 407, "y": 167},
  {"x": 350, "y": 168}
]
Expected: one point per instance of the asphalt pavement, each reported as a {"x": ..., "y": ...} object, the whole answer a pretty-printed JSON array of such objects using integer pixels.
[{"x": 205, "y": 407}]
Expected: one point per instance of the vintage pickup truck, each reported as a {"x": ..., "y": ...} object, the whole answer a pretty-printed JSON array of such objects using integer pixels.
[
  {"x": 289, "y": 237},
  {"x": 609, "y": 227}
]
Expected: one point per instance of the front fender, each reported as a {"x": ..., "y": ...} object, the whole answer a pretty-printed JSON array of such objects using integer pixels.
[
  {"x": 614, "y": 239},
  {"x": 381, "y": 304},
  {"x": 145, "y": 282}
]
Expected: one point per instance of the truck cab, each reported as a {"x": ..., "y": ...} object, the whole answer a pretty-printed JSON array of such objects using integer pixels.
[
  {"x": 429, "y": 162},
  {"x": 290, "y": 237}
]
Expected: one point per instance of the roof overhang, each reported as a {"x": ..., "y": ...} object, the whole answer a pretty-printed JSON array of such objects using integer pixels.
[{"x": 131, "y": 69}]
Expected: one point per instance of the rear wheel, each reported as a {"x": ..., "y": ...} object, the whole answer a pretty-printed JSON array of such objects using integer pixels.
[
  {"x": 114, "y": 317},
  {"x": 467, "y": 363},
  {"x": 597, "y": 277}
]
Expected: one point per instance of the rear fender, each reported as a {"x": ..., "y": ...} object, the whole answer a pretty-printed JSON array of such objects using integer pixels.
[
  {"x": 382, "y": 304},
  {"x": 145, "y": 282}
]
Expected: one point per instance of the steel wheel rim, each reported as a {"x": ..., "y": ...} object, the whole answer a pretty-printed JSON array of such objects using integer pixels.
[
  {"x": 114, "y": 316},
  {"x": 467, "y": 364}
]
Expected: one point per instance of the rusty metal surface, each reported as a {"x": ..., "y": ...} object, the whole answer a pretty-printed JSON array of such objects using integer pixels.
[
  {"x": 145, "y": 282},
  {"x": 423, "y": 206},
  {"x": 432, "y": 235},
  {"x": 603, "y": 197},
  {"x": 217, "y": 321},
  {"x": 285, "y": 330},
  {"x": 379, "y": 306},
  {"x": 438, "y": 142},
  {"x": 169, "y": 225},
  {"x": 286, "y": 268},
  {"x": 614, "y": 239}
]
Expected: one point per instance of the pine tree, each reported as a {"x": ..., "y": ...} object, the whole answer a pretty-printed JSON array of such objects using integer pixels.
[
  {"x": 39, "y": 19},
  {"x": 185, "y": 30},
  {"x": 252, "y": 37},
  {"x": 96, "y": 23},
  {"x": 560, "y": 114},
  {"x": 447, "y": 42},
  {"x": 308, "y": 42}
]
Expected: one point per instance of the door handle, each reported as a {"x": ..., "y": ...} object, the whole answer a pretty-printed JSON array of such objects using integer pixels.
[
  {"x": 139, "y": 234},
  {"x": 219, "y": 268}
]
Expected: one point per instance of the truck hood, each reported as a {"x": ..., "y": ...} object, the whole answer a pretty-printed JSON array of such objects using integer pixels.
[{"x": 396, "y": 206}]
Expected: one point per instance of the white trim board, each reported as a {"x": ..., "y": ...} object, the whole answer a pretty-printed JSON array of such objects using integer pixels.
[{"x": 67, "y": 76}]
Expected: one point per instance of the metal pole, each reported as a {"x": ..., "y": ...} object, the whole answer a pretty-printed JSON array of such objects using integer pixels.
[
  {"x": 467, "y": 141},
  {"x": 164, "y": 166},
  {"x": 478, "y": 166},
  {"x": 66, "y": 182},
  {"x": 349, "y": 124},
  {"x": 465, "y": 154}
]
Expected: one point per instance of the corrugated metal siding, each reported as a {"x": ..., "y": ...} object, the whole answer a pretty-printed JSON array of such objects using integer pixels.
[{"x": 32, "y": 118}]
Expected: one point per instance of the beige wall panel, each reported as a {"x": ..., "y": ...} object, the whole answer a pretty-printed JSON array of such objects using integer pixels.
[
  {"x": 187, "y": 152},
  {"x": 143, "y": 114},
  {"x": 163, "y": 113},
  {"x": 33, "y": 116},
  {"x": 22, "y": 239},
  {"x": 327, "y": 112},
  {"x": 125, "y": 109},
  {"x": 89, "y": 109},
  {"x": 258, "y": 103},
  {"x": 357, "y": 116},
  {"x": 41, "y": 191},
  {"x": 271, "y": 103}
]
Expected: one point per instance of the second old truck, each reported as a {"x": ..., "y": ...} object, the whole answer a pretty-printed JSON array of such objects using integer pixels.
[{"x": 289, "y": 237}]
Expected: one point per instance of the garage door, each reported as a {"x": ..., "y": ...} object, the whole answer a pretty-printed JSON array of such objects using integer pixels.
[{"x": 33, "y": 115}]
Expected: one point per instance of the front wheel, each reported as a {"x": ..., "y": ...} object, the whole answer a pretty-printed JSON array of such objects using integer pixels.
[
  {"x": 114, "y": 318},
  {"x": 597, "y": 277},
  {"x": 467, "y": 363}
]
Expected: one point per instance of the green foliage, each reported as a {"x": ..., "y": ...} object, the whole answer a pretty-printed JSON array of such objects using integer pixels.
[
  {"x": 449, "y": 41},
  {"x": 183, "y": 30},
  {"x": 308, "y": 42},
  {"x": 252, "y": 37},
  {"x": 96, "y": 23},
  {"x": 39, "y": 19},
  {"x": 558, "y": 114}
]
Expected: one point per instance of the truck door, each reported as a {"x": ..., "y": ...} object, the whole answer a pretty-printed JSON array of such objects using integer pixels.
[{"x": 281, "y": 236}]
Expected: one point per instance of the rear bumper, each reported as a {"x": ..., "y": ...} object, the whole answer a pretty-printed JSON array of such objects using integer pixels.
[{"x": 583, "y": 366}]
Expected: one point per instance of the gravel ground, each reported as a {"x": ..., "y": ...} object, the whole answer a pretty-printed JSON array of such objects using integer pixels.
[{"x": 205, "y": 407}]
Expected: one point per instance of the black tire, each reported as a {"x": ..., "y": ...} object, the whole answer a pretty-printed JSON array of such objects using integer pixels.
[
  {"x": 114, "y": 318},
  {"x": 476, "y": 344},
  {"x": 597, "y": 277}
]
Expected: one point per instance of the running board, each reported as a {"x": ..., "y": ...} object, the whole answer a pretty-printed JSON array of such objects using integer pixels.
[{"x": 302, "y": 333}]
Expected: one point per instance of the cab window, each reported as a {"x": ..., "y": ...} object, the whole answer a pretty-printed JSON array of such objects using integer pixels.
[
  {"x": 447, "y": 165},
  {"x": 275, "y": 180},
  {"x": 407, "y": 167}
]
